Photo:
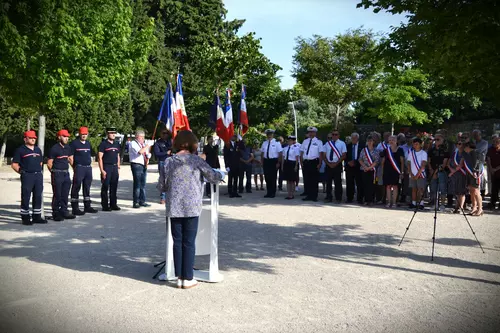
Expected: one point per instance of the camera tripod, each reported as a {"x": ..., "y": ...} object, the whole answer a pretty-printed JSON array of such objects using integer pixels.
[{"x": 436, "y": 203}]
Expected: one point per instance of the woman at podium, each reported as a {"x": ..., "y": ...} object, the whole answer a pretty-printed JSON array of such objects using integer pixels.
[{"x": 182, "y": 181}]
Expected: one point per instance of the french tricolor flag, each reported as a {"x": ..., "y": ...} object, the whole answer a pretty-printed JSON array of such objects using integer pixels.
[
  {"x": 180, "y": 116},
  {"x": 243, "y": 116},
  {"x": 228, "y": 115},
  {"x": 218, "y": 120}
]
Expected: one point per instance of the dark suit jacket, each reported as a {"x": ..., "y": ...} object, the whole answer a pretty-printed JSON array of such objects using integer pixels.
[
  {"x": 349, "y": 154},
  {"x": 232, "y": 155},
  {"x": 212, "y": 153}
]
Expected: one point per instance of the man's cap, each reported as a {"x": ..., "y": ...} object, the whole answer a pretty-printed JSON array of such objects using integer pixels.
[
  {"x": 111, "y": 129},
  {"x": 84, "y": 130},
  {"x": 269, "y": 131},
  {"x": 30, "y": 134},
  {"x": 312, "y": 129},
  {"x": 63, "y": 132},
  {"x": 292, "y": 137}
]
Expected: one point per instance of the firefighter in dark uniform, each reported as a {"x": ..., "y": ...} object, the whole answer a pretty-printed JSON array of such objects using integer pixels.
[
  {"x": 109, "y": 163},
  {"x": 60, "y": 157},
  {"x": 82, "y": 172},
  {"x": 28, "y": 162}
]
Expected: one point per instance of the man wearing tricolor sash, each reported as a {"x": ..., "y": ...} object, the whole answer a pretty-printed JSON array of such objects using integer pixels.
[
  {"x": 333, "y": 153},
  {"x": 417, "y": 160}
]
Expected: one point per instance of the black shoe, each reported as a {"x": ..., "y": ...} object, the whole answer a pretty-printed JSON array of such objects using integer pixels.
[
  {"x": 249, "y": 191},
  {"x": 26, "y": 220},
  {"x": 136, "y": 205},
  {"x": 303, "y": 194},
  {"x": 90, "y": 210},
  {"x": 58, "y": 218},
  {"x": 145, "y": 204},
  {"x": 115, "y": 208},
  {"x": 69, "y": 216},
  {"x": 349, "y": 201},
  {"x": 328, "y": 200},
  {"x": 37, "y": 218},
  {"x": 412, "y": 206},
  {"x": 77, "y": 212},
  {"x": 307, "y": 199},
  {"x": 421, "y": 207},
  {"x": 237, "y": 196},
  {"x": 267, "y": 196},
  {"x": 338, "y": 202}
]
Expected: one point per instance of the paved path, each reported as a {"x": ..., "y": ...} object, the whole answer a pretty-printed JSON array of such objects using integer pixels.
[{"x": 288, "y": 267}]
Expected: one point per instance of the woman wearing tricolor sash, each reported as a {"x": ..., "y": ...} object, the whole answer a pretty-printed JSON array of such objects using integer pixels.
[
  {"x": 475, "y": 171},
  {"x": 392, "y": 166},
  {"x": 369, "y": 160},
  {"x": 457, "y": 176}
]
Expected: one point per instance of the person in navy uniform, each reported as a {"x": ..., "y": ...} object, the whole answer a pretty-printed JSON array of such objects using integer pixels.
[
  {"x": 272, "y": 154},
  {"x": 28, "y": 162},
  {"x": 232, "y": 156},
  {"x": 310, "y": 153},
  {"x": 163, "y": 149},
  {"x": 109, "y": 163},
  {"x": 60, "y": 157},
  {"x": 82, "y": 172}
]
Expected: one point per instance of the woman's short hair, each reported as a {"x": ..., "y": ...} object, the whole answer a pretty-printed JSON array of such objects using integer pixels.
[
  {"x": 186, "y": 140},
  {"x": 369, "y": 138}
]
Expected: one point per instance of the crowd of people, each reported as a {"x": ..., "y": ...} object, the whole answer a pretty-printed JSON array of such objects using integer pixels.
[{"x": 390, "y": 170}]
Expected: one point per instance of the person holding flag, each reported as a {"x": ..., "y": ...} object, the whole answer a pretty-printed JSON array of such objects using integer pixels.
[{"x": 393, "y": 160}]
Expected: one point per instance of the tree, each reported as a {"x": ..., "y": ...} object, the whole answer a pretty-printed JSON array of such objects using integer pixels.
[
  {"x": 55, "y": 55},
  {"x": 337, "y": 71},
  {"x": 395, "y": 96},
  {"x": 454, "y": 41}
]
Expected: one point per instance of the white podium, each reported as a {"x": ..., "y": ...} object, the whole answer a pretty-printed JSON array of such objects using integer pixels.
[{"x": 206, "y": 241}]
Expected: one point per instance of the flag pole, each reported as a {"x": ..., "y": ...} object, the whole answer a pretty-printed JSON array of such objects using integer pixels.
[{"x": 156, "y": 127}]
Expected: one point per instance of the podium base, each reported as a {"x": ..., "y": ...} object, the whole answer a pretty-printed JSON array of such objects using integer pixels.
[{"x": 205, "y": 276}]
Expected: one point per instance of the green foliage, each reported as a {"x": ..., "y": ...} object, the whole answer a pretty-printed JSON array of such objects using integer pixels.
[
  {"x": 337, "y": 71},
  {"x": 56, "y": 55},
  {"x": 395, "y": 96},
  {"x": 454, "y": 41}
]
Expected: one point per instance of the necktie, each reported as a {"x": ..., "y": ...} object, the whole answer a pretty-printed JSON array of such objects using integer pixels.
[
  {"x": 268, "y": 146},
  {"x": 288, "y": 152},
  {"x": 353, "y": 152},
  {"x": 309, "y": 147}
]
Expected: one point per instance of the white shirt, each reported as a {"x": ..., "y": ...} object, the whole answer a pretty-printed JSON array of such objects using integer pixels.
[
  {"x": 380, "y": 147},
  {"x": 420, "y": 156},
  {"x": 314, "y": 149},
  {"x": 133, "y": 151},
  {"x": 327, "y": 149},
  {"x": 274, "y": 149},
  {"x": 290, "y": 153}
]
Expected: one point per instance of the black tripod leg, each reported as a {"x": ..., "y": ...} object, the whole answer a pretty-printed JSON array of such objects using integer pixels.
[
  {"x": 436, "y": 203},
  {"x": 408, "y": 227},
  {"x": 161, "y": 268},
  {"x": 470, "y": 226}
]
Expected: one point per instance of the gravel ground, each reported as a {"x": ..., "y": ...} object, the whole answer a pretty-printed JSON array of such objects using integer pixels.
[{"x": 288, "y": 267}]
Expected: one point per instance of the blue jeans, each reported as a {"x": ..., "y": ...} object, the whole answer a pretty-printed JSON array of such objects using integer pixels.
[
  {"x": 161, "y": 164},
  {"x": 443, "y": 184},
  {"x": 184, "y": 231},
  {"x": 139, "y": 173}
]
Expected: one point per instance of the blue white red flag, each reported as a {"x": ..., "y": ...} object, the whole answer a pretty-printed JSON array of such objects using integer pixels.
[
  {"x": 228, "y": 115},
  {"x": 180, "y": 116},
  {"x": 242, "y": 115}
]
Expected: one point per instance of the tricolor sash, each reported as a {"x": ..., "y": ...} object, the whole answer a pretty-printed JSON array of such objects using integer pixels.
[
  {"x": 416, "y": 163},
  {"x": 335, "y": 150},
  {"x": 384, "y": 145},
  {"x": 370, "y": 160},
  {"x": 478, "y": 176},
  {"x": 457, "y": 162},
  {"x": 390, "y": 156}
]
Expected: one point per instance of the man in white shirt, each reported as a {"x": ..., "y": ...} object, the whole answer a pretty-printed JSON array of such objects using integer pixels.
[
  {"x": 139, "y": 157},
  {"x": 334, "y": 153},
  {"x": 271, "y": 161},
  {"x": 310, "y": 160}
]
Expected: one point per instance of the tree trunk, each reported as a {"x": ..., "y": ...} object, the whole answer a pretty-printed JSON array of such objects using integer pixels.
[
  {"x": 392, "y": 128},
  {"x": 28, "y": 125},
  {"x": 41, "y": 144},
  {"x": 337, "y": 115},
  {"x": 2, "y": 150}
]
